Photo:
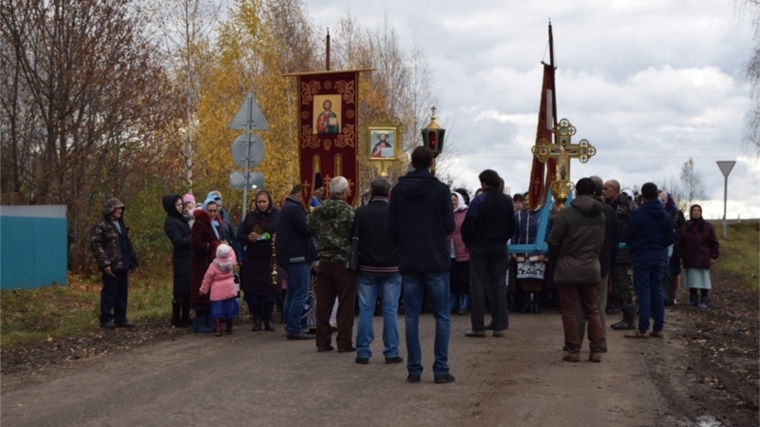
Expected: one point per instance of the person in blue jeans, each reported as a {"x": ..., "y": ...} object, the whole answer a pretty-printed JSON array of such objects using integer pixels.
[
  {"x": 648, "y": 234},
  {"x": 420, "y": 216},
  {"x": 295, "y": 252},
  {"x": 378, "y": 274}
]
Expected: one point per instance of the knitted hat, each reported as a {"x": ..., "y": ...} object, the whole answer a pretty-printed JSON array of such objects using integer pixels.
[
  {"x": 223, "y": 251},
  {"x": 188, "y": 198}
]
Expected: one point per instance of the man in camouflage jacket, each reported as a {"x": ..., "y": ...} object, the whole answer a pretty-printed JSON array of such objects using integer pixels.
[
  {"x": 112, "y": 249},
  {"x": 331, "y": 223},
  {"x": 621, "y": 274}
]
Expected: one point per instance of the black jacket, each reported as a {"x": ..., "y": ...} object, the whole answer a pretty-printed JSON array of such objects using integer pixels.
[
  {"x": 378, "y": 254},
  {"x": 293, "y": 237},
  {"x": 420, "y": 216},
  {"x": 490, "y": 220},
  {"x": 611, "y": 241},
  {"x": 178, "y": 232}
]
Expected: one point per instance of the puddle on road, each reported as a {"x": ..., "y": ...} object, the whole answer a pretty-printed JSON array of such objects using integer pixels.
[{"x": 703, "y": 421}]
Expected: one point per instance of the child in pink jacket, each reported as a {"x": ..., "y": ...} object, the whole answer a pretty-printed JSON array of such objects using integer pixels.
[{"x": 220, "y": 282}]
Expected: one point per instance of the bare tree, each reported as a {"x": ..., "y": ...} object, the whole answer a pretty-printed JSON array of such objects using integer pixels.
[
  {"x": 751, "y": 134},
  {"x": 692, "y": 184},
  {"x": 83, "y": 96},
  {"x": 187, "y": 28}
]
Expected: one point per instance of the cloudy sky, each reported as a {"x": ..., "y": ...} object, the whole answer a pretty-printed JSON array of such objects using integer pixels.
[{"x": 649, "y": 83}]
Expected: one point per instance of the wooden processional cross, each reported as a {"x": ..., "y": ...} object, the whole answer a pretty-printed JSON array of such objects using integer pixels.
[{"x": 562, "y": 151}]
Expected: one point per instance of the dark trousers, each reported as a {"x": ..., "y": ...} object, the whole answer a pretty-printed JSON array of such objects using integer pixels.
[
  {"x": 568, "y": 295},
  {"x": 113, "y": 298},
  {"x": 333, "y": 280},
  {"x": 488, "y": 277},
  {"x": 601, "y": 303}
]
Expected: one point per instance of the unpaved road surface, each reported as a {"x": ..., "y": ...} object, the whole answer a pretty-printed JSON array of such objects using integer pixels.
[{"x": 259, "y": 378}]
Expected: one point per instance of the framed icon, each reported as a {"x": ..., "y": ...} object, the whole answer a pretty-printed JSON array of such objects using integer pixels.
[
  {"x": 327, "y": 114},
  {"x": 383, "y": 142}
]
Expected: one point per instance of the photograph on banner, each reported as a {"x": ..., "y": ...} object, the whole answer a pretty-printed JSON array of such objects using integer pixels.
[
  {"x": 327, "y": 114},
  {"x": 383, "y": 143}
]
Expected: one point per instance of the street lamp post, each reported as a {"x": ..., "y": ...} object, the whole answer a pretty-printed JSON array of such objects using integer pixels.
[{"x": 432, "y": 137}]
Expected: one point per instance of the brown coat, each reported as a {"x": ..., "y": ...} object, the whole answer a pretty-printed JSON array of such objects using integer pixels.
[
  {"x": 698, "y": 244},
  {"x": 203, "y": 243}
]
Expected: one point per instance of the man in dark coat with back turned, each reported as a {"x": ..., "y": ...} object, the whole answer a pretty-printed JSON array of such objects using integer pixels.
[
  {"x": 420, "y": 216},
  {"x": 574, "y": 245},
  {"x": 648, "y": 233},
  {"x": 113, "y": 251},
  {"x": 606, "y": 262},
  {"x": 489, "y": 223}
]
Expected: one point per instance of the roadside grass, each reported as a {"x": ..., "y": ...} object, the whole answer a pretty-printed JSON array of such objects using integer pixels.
[
  {"x": 740, "y": 253},
  {"x": 54, "y": 312}
]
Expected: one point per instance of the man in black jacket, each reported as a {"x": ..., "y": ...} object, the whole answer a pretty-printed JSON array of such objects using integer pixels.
[
  {"x": 295, "y": 252},
  {"x": 420, "y": 216},
  {"x": 489, "y": 224},
  {"x": 378, "y": 274}
]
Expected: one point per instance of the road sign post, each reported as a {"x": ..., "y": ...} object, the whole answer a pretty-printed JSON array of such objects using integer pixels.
[
  {"x": 249, "y": 117},
  {"x": 725, "y": 167}
]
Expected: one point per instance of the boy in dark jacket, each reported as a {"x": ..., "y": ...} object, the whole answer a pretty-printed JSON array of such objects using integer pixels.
[
  {"x": 420, "y": 216},
  {"x": 648, "y": 234}
]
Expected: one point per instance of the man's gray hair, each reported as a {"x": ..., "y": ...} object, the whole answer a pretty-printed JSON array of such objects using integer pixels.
[
  {"x": 598, "y": 184},
  {"x": 380, "y": 187},
  {"x": 338, "y": 185}
]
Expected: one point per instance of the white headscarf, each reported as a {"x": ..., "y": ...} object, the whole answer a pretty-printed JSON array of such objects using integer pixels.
[{"x": 460, "y": 205}]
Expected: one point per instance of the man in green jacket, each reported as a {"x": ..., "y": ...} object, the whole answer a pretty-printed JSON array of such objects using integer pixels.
[{"x": 574, "y": 245}]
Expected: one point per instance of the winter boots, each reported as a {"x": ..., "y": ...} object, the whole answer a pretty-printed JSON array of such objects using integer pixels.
[
  {"x": 181, "y": 311},
  {"x": 218, "y": 327},
  {"x": 256, "y": 315},
  {"x": 267, "y": 316},
  {"x": 629, "y": 320},
  {"x": 693, "y": 299},
  {"x": 199, "y": 324},
  {"x": 705, "y": 301}
]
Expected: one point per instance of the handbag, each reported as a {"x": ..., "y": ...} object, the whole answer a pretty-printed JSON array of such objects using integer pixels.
[{"x": 352, "y": 257}]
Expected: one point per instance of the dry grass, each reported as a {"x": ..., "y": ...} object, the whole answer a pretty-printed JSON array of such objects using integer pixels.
[
  {"x": 54, "y": 312},
  {"x": 740, "y": 253}
]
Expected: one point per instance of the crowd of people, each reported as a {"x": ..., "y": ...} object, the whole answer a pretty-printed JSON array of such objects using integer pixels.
[{"x": 422, "y": 246}]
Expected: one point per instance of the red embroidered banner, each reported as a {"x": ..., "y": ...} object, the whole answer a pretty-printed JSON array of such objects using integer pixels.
[
  {"x": 538, "y": 183},
  {"x": 328, "y": 129}
]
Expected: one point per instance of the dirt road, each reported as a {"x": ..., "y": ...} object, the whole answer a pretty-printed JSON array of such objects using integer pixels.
[{"x": 262, "y": 379}]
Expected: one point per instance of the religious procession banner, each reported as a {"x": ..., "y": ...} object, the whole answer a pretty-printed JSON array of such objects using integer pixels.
[
  {"x": 539, "y": 180},
  {"x": 328, "y": 110}
]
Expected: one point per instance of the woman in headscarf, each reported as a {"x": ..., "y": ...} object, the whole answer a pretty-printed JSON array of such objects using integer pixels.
[
  {"x": 699, "y": 251},
  {"x": 178, "y": 232},
  {"x": 205, "y": 237},
  {"x": 459, "y": 277},
  {"x": 258, "y": 277},
  {"x": 530, "y": 266}
]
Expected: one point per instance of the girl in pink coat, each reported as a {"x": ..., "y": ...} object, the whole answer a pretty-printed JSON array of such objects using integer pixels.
[{"x": 220, "y": 283}]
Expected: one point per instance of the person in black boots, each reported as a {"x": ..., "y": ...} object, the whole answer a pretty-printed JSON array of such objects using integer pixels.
[
  {"x": 256, "y": 234},
  {"x": 112, "y": 249},
  {"x": 178, "y": 232}
]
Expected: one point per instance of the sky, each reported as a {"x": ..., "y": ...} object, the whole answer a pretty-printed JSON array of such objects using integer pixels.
[{"x": 649, "y": 83}]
